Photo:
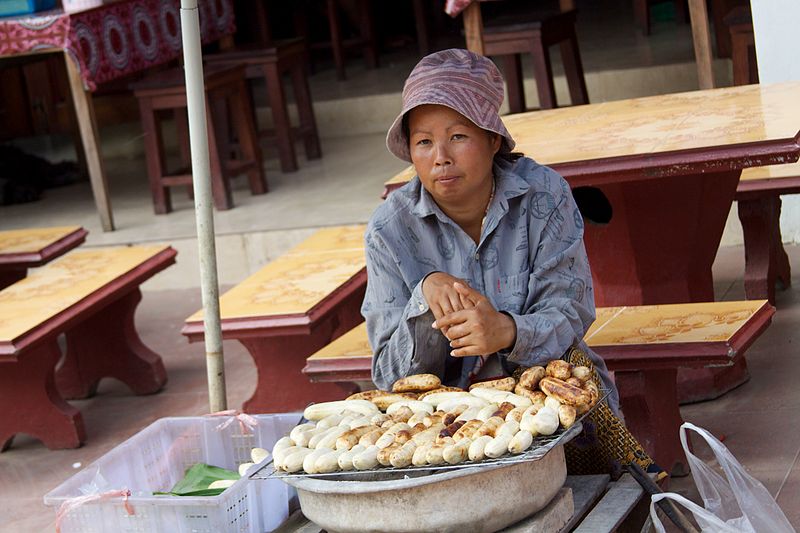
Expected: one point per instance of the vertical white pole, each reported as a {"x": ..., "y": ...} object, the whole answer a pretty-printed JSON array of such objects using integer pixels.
[{"x": 204, "y": 216}]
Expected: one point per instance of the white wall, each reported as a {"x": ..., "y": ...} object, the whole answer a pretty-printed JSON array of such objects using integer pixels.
[{"x": 776, "y": 24}]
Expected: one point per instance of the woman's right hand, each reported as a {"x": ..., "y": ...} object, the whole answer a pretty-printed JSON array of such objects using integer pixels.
[{"x": 441, "y": 295}]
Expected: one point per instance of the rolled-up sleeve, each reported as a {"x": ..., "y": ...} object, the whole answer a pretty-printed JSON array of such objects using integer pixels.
[{"x": 398, "y": 320}]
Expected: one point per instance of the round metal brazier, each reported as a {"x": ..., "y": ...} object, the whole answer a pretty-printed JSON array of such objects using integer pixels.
[{"x": 480, "y": 499}]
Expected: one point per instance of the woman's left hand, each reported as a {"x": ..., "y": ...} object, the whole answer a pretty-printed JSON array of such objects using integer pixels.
[{"x": 479, "y": 329}]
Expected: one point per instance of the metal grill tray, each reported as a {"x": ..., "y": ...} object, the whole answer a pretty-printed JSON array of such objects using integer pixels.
[{"x": 539, "y": 448}]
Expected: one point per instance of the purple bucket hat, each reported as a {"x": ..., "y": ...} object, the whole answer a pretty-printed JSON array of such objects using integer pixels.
[{"x": 461, "y": 80}]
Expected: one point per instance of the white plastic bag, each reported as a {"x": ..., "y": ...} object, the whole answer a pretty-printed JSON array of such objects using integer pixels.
[{"x": 738, "y": 503}]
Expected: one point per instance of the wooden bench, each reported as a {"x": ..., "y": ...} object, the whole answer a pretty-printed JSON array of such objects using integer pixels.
[
  {"x": 291, "y": 308},
  {"x": 91, "y": 296},
  {"x": 27, "y": 248},
  {"x": 643, "y": 345},
  {"x": 759, "y": 201}
]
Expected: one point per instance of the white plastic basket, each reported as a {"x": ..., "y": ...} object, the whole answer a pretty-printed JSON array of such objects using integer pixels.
[{"x": 157, "y": 457}]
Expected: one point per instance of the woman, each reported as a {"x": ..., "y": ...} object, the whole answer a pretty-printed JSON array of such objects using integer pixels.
[{"x": 477, "y": 266}]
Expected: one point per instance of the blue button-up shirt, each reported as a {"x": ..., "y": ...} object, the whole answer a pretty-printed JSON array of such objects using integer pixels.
[{"x": 530, "y": 263}]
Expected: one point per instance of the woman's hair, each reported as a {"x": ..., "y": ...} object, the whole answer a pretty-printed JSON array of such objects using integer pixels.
[{"x": 509, "y": 157}]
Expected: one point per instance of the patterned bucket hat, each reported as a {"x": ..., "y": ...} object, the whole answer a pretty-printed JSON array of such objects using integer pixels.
[{"x": 462, "y": 80}]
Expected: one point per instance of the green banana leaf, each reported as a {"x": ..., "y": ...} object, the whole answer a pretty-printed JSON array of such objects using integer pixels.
[{"x": 197, "y": 479}]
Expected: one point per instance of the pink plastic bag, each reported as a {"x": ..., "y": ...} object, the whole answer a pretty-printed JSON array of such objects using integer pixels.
[{"x": 737, "y": 503}]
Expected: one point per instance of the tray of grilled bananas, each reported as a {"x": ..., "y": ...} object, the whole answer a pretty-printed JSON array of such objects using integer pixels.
[{"x": 421, "y": 424}]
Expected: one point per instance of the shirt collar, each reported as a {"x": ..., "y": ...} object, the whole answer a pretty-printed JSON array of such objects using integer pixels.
[{"x": 508, "y": 184}]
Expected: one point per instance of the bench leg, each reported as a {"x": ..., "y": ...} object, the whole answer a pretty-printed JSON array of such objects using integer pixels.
[
  {"x": 649, "y": 400},
  {"x": 243, "y": 119},
  {"x": 280, "y": 117},
  {"x": 107, "y": 345},
  {"x": 543, "y": 71},
  {"x": 282, "y": 386},
  {"x": 32, "y": 403},
  {"x": 641, "y": 12},
  {"x": 11, "y": 276},
  {"x": 280, "y": 359},
  {"x": 305, "y": 110},
  {"x": 573, "y": 70},
  {"x": 766, "y": 261},
  {"x": 703, "y": 384},
  {"x": 512, "y": 68}
]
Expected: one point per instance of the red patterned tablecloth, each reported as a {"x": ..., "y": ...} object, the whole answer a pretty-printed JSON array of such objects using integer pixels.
[{"x": 115, "y": 39}]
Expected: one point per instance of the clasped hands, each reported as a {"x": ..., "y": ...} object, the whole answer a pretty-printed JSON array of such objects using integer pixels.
[{"x": 466, "y": 317}]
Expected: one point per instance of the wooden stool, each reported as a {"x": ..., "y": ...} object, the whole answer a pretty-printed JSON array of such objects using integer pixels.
[
  {"x": 366, "y": 38},
  {"x": 287, "y": 57},
  {"x": 743, "y": 45},
  {"x": 513, "y": 34},
  {"x": 224, "y": 87}
]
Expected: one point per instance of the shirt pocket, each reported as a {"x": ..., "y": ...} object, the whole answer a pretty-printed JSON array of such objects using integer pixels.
[{"x": 510, "y": 292}]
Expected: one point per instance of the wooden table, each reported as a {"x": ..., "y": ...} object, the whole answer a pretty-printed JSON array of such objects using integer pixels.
[
  {"x": 669, "y": 166},
  {"x": 90, "y": 296},
  {"x": 291, "y": 308},
  {"x": 103, "y": 44},
  {"x": 27, "y": 248}
]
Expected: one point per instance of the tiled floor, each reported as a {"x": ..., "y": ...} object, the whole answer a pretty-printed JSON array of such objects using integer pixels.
[{"x": 758, "y": 421}]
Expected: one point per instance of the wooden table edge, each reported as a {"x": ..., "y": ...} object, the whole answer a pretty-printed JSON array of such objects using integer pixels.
[
  {"x": 108, "y": 293},
  {"x": 680, "y": 162},
  {"x": 46, "y": 254},
  {"x": 673, "y": 354},
  {"x": 754, "y": 187},
  {"x": 617, "y": 169},
  {"x": 355, "y": 368},
  {"x": 281, "y": 324}
]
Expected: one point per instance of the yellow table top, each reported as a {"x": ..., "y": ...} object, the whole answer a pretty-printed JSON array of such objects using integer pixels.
[
  {"x": 649, "y": 324},
  {"x": 63, "y": 283},
  {"x": 32, "y": 240},
  {"x": 673, "y": 323},
  {"x": 354, "y": 343},
  {"x": 655, "y": 124},
  {"x": 334, "y": 239},
  {"x": 299, "y": 280},
  {"x": 771, "y": 172}
]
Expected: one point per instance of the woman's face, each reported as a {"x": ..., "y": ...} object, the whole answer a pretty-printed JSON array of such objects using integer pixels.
[{"x": 452, "y": 155}]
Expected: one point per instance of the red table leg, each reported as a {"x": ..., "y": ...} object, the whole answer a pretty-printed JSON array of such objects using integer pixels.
[
  {"x": 765, "y": 259},
  {"x": 702, "y": 384},
  {"x": 657, "y": 252},
  {"x": 649, "y": 402},
  {"x": 280, "y": 359},
  {"x": 32, "y": 404},
  {"x": 282, "y": 386},
  {"x": 11, "y": 276},
  {"x": 661, "y": 252},
  {"x": 107, "y": 345}
]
